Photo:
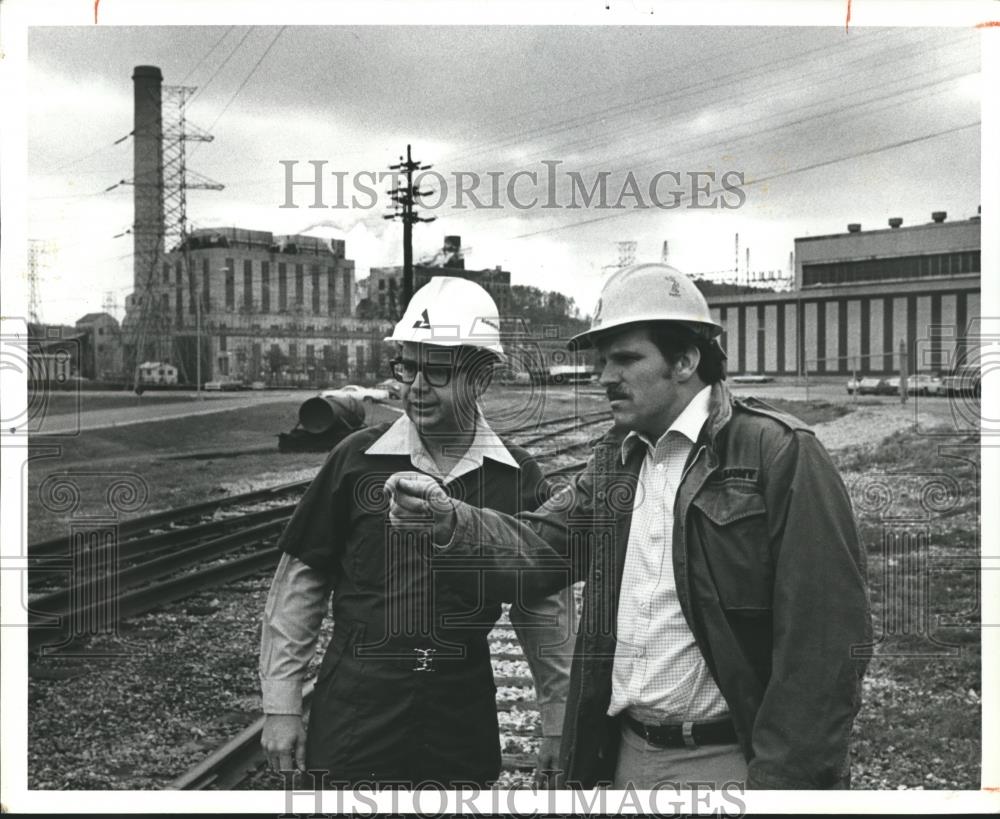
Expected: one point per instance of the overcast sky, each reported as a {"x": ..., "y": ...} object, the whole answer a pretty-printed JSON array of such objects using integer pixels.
[{"x": 854, "y": 126}]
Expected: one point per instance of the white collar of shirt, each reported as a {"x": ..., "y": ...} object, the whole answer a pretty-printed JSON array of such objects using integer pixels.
[
  {"x": 402, "y": 438},
  {"x": 688, "y": 424}
]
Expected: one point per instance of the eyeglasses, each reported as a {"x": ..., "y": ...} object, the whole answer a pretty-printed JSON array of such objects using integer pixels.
[{"x": 435, "y": 374}]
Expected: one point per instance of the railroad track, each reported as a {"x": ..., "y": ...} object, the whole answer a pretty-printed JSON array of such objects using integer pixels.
[{"x": 155, "y": 561}]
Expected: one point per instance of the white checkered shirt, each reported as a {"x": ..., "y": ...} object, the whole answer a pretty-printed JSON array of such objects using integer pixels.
[{"x": 660, "y": 675}]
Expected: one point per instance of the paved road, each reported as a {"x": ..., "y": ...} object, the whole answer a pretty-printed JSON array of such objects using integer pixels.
[{"x": 137, "y": 413}]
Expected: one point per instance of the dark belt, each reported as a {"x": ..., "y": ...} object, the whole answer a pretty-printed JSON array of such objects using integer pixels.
[{"x": 688, "y": 734}]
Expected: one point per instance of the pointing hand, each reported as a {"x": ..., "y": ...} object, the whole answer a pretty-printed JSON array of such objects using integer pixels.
[{"x": 416, "y": 499}]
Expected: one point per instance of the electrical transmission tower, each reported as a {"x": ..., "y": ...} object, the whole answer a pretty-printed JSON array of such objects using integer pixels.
[
  {"x": 626, "y": 253},
  {"x": 162, "y": 180},
  {"x": 626, "y": 256},
  {"x": 36, "y": 249},
  {"x": 405, "y": 201}
]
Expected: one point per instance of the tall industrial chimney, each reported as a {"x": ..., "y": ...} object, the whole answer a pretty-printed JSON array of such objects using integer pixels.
[{"x": 147, "y": 139}]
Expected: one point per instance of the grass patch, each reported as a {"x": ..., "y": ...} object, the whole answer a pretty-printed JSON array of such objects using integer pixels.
[
  {"x": 810, "y": 412},
  {"x": 908, "y": 450},
  {"x": 69, "y": 403}
]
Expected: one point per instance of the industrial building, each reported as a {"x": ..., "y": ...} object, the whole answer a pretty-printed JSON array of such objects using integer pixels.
[
  {"x": 384, "y": 285},
  {"x": 857, "y": 296},
  {"x": 230, "y": 304}
]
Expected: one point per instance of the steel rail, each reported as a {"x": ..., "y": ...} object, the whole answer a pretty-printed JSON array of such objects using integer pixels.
[{"x": 59, "y": 546}]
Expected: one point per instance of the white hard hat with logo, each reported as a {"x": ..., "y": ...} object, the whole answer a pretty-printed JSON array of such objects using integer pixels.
[
  {"x": 649, "y": 292},
  {"x": 451, "y": 312}
]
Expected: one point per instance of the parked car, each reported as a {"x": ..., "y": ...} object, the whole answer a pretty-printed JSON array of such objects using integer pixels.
[
  {"x": 966, "y": 381},
  {"x": 924, "y": 384},
  {"x": 876, "y": 385},
  {"x": 752, "y": 378},
  {"x": 391, "y": 386},
  {"x": 363, "y": 393}
]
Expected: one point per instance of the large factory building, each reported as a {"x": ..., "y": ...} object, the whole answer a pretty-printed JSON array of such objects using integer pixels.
[
  {"x": 244, "y": 304},
  {"x": 857, "y": 296},
  {"x": 276, "y": 309}
]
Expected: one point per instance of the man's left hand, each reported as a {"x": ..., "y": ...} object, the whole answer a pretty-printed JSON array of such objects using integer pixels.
[{"x": 547, "y": 774}]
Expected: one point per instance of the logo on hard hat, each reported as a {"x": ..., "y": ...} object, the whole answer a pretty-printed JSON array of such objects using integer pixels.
[
  {"x": 423, "y": 323},
  {"x": 675, "y": 289},
  {"x": 597, "y": 313}
]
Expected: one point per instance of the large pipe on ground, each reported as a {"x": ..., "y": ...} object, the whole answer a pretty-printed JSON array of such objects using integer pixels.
[{"x": 323, "y": 413}]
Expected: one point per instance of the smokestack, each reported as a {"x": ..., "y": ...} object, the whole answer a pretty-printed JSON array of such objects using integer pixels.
[
  {"x": 939, "y": 216},
  {"x": 665, "y": 255},
  {"x": 453, "y": 252},
  {"x": 895, "y": 222},
  {"x": 147, "y": 141},
  {"x": 854, "y": 227}
]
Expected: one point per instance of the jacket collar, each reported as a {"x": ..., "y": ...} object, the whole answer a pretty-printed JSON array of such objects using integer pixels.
[{"x": 402, "y": 438}]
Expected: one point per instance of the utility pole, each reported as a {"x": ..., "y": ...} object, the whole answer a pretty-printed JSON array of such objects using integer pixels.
[{"x": 405, "y": 200}]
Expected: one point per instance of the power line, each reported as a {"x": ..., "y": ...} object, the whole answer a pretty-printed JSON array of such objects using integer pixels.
[
  {"x": 223, "y": 64},
  {"x": 205, "y": 56},
  {"x": 243, "y": 84},
  {"x": 767, "y": 178}
]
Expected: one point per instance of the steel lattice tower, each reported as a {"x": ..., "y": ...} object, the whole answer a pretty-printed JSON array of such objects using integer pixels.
[{"x": 161, "y": 180}]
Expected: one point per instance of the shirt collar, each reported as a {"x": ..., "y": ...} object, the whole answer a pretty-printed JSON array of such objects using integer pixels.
[
  {"x": 402, "y": 438},
  {"x": 688, "y": 424}
]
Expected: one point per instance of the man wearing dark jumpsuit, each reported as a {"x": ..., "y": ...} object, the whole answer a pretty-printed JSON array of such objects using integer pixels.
[{"x": 405, "y": 693}]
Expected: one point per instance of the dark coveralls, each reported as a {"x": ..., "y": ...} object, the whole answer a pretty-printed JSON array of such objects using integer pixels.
[{"x": 405, "y": 692}]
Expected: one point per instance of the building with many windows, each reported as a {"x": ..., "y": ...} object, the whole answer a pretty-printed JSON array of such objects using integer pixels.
[
  {"x": 858, "y": 296},
  {"x": 277, "y": 309}
]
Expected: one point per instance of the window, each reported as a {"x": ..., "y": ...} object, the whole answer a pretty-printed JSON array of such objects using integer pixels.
[
  {"x": 299, "y": 286},
  {"x": 179, "y": 270},
  {"x": 381, "y": 284},
  {"x": 346, "y": 292},
  {"x": 230, "y": 285},
  {"x": 265, "y": 287},
  {"x": 331, "y": 287},
  {"x": 223, "y": 344},
  {"x": 205, "y": 289},
  {"x": 100, "y": 331},
  {"x": 314, "y": 276},
  {"x": 166, "y": 272},
  {"x": 282, "y": 287},
  {"x": 247, "y": 284}
]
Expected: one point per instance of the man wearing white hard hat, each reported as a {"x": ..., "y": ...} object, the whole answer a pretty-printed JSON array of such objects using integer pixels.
[
  {"x": 405, "y": 694},
  {"x": 726, "y": 614}
]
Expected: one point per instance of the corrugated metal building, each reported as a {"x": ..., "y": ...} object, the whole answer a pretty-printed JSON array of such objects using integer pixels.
[{"x": 857, "y": 295}]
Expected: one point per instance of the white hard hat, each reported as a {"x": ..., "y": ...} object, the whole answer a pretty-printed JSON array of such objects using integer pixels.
[
  {"x": 649, "y": 292},
  {"x": 451, "y": 312}
]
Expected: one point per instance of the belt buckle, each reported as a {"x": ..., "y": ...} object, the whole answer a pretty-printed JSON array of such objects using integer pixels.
[
  {"x": 425, "y": 656},
  {"x": 687, "y": 732}
]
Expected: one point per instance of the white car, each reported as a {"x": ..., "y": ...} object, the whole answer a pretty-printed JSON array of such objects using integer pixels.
[
  {"x": 361, "y": 393},
  {"x": 922, "y": 384}
]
